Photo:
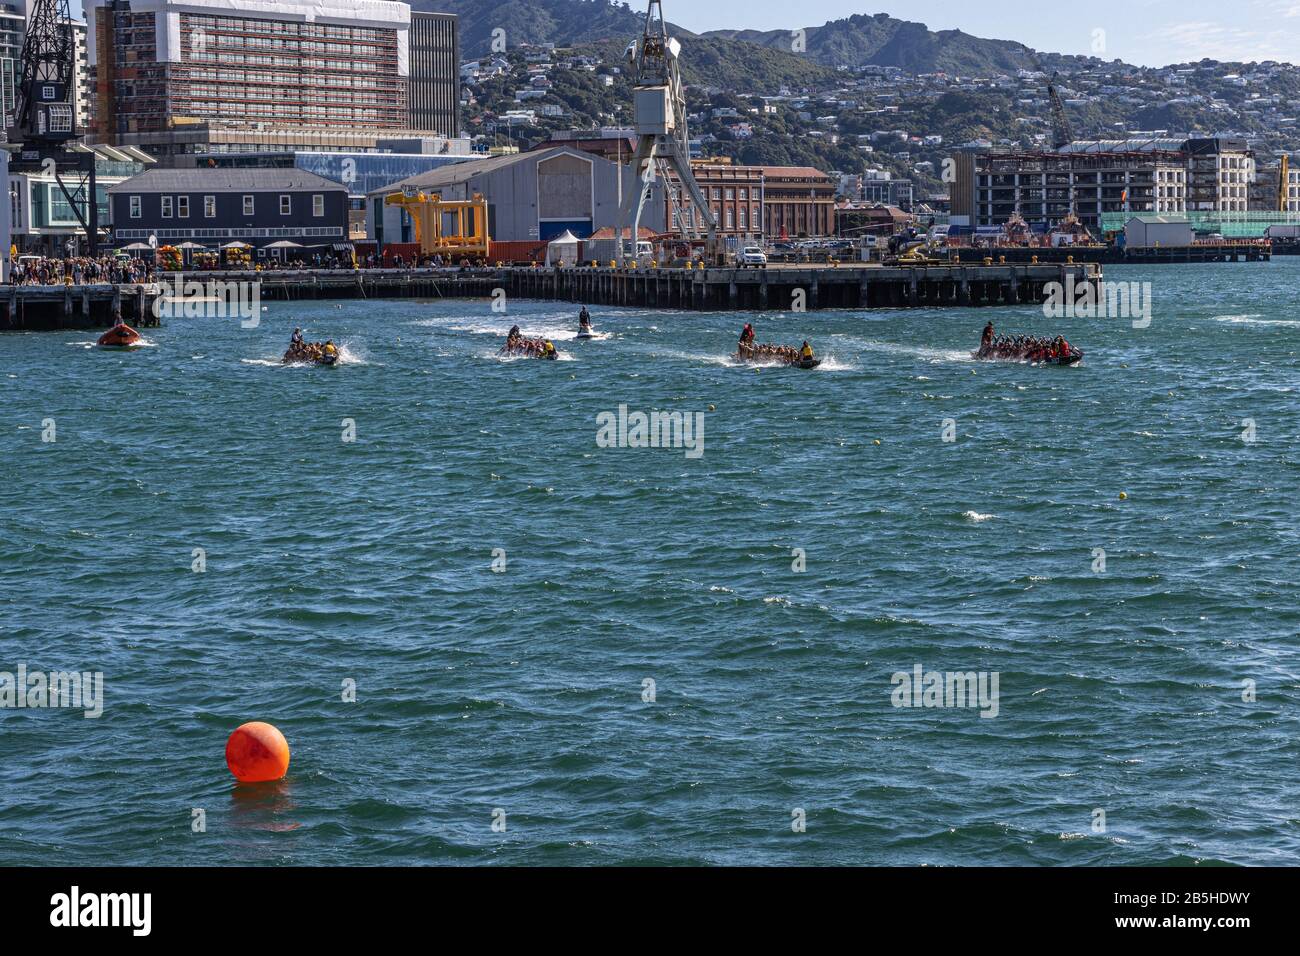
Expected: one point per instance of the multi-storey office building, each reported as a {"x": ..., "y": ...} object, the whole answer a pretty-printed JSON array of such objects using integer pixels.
[
  {"x": 13, "y": 24},
  {"x": 434, "y": 98},
  {"x": 81, "y": 104},
  {"x": 1103, "y": 179},
  {"x": 163, "y": 65},
  {"x": 882, "y": 188}
]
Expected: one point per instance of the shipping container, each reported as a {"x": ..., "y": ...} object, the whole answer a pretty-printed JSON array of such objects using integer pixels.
[{"x": 522, "y": 253}]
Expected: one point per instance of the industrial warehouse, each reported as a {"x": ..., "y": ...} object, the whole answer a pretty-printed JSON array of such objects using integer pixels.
[{"x": 535, "y": 196}]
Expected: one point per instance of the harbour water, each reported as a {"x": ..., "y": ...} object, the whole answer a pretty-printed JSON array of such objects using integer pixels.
[{"x": 676, "y": 659}]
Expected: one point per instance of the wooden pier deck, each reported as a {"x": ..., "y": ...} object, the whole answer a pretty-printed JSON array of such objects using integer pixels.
[
  {"x": 50, "y": 307},
  {"x": 776, "y": 288},
  {"x": 779, "y": 288}
]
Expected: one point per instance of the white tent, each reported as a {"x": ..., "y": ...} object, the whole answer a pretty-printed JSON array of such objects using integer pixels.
[{"x": 562, "y": 250}]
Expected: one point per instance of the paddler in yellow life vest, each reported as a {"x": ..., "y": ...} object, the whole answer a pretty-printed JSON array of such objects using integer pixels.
[
  {"x": 330, "y": 351},
  {"x": 549, "y": 351},
  {"x": 806, "y": 352}
]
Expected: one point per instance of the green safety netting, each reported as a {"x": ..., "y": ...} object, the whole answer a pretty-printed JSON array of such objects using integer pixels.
[{"x": 1230, "y": 225}]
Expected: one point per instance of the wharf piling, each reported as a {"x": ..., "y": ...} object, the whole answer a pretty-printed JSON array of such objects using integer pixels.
[
  {"x": 50, "y": 307},
  {"x": 776, "y": 288},
  {"x": 780, "y": 288}
]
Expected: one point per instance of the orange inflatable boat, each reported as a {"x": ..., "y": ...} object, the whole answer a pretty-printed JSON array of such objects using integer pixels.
[{"x": 119, "y": 337}]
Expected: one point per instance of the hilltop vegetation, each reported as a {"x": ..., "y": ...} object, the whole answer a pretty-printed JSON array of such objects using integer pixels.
[
  {"x": 882, "y": 40},
  {"x": 855, "y": 41},
  {"x": 562, "y": 22}
]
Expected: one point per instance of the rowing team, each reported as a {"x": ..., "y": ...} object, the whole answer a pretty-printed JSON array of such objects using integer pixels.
[
  {"x": 300, "y": 351},
  {"x": 749, "y": 350},
  {"x": 783, "y": 353},
  {"x": 1031, "y": 348},
  {"x": 516, "y": 344}
]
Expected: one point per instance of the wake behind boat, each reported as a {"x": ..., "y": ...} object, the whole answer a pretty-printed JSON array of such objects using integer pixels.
[{"x": 1036, "y": 350}]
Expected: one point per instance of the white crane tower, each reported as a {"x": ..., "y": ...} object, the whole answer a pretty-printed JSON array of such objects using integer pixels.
[{"x": 663, "y": 144}]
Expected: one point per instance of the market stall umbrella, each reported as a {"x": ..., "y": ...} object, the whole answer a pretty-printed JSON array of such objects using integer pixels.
[
  {"x": 191, "y": 245},
  {"x": 236, "y": 245},
  {"x": 137, "y": 247},
  {"x": 284, "y": 244}
]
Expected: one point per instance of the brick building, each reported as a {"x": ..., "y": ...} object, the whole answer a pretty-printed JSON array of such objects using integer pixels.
[
  {"x": 797, "y": 201},
  {"x": 735, "y": 194}
]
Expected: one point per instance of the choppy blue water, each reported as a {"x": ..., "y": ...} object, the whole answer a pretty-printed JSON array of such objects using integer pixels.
[{"x": 522, "y": 691}]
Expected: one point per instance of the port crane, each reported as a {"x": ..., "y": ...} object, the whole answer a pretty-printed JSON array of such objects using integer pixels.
[
  {"x": 42, "y": 128},
  {"x": 1062, "y": 134},
  {"x": 663, "y": 141}
]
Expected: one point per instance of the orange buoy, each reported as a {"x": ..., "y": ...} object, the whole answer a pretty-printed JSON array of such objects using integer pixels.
[{"x": 257, "y": 753}]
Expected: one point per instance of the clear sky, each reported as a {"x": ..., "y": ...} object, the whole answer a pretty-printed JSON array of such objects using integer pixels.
[{"x": 1146, "y": 32}]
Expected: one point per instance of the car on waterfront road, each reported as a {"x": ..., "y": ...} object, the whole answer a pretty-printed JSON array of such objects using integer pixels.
[{"x": 753, "y": 256}]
